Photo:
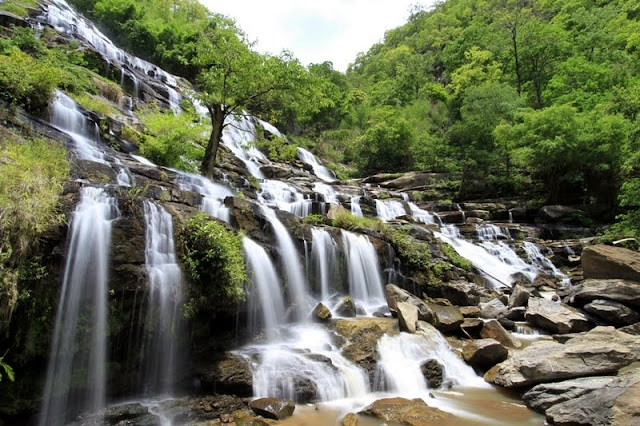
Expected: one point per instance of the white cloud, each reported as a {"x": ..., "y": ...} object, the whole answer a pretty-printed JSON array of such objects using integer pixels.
[{"x": 316, "y": 31}]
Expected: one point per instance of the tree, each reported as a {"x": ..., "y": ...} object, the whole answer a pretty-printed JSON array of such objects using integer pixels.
[{"x": 233, "y": 76}]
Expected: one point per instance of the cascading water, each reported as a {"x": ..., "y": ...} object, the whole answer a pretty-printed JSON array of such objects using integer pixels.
[
  {"x": 365, "y": 278},
  {"x": 238, "y": 135},
  {"x": 421, "y": 215},
  {"x": 285, "y": 197},
  {"x": 318, "y": 168},
  {"x": 291, "y": 264},
  {"x": 85, "y": 134},
  {"x": 162, "y": 322},
  {"x": 328, "y": 193},
  {"x": 537, "y": 258},
  {"x": 213, "y": 194},
  {"x": 389, "y": 209},
  {"x": 324, "y": 259},
  {"x": 267, "y": 293},
  {"x": 76, "y": 374},
  {"x": 356, "y": 210}
]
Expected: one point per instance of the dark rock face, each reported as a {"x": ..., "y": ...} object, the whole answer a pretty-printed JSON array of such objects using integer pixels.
[
  {"x": 556, "y": 317},
  {"x": 608, "y": 400},
  {"x": 273, "y": 408},
  {"x": 413, "y": 412},
  {"x": 346, "y": 308},
  {"x": 603, "y": 350},
  {"x": 484, "y": 353},
  {"x": 229, "y": 374},
  {"x": 621, "y": 291},
  {"x": 613, "y": 313},
  {"x": 608, "y": 262},
  {"x": 433, "y": 373}
]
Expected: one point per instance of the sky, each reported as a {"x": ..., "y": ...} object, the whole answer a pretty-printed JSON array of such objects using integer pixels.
[{"x": 316, "y": 30}]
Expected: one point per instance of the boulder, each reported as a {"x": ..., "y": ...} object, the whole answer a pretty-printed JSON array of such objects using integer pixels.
[
  {"x": 470, "y": 311},
  {"x": 608, "y": 262},
  {"x": 557, "y": 213},
  {"x": 433, "y": 373},
  {"x": 464, "y": 293},
  {"x": 492, "y": 309},
  {"x": 407, "y": 316},
  {"x": 413, "y": 180},
  {"x": 519, "y": 297},
  {"x": 336, "y": 210},
  {"x": 631, "y": 329},
  {"x": 346, "y": 308},
  {"x": 492, "y": 329},
  {"x": 395, "y": 294},
  {"x": 414, "y": 412},
  {"x": 229, "y": 374},
  {"x": 472, "y": 327},
  {"x": 273, "y": 408},
  {"x": 350, "y": 419},
  {"x": 603, "y": 350},
  {"x": 600, "y": 401},
  {"x": 273, "y": 171},
  {"x": 515, "y": 314},
  {"x": 321, "y": 313},
  {"x": 622, "y": 291},
  {"x": 484, "y": 353},
  {"x": 447, "y": 319},
  {"x": 555, "y": 317},
  {"x": 613, "y": 313}
]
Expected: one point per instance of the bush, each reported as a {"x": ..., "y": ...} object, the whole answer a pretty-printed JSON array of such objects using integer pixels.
[
  {"x": 278, "y": 149},
  {"x": 213, "y": 260},
  {"x": 314, "y": 219}
]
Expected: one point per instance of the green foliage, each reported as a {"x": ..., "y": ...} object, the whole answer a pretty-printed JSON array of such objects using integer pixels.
[
  {"x": 314, "y": 219},
  {"x": 454, "y": 257},
  {"x": 95, "y": 104},
  {"x": 412, "y": 252},
  {"x": 278, "y": 149},
  {"x": 15, "y": 9},
  {"x": 346, "y": 220},
  {"x": 170, "y": 140},
  {"x": 8, "y": 370},
  {"x": 213, "y": 260}
]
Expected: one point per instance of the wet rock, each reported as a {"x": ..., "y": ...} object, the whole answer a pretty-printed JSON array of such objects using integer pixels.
[
  {"x": 484, "y": 353},
  {"x": 273, "y": 408},
  {"x": 464, "y": 293},
  {"x": 470, "y": 311},
  {"x": 492, "y": 309},
  {"x": 414, "y": 412},
  {"x": 519, "y": 297},
  {"x": 350, "y": 419},
  {"x": 229, "y": 374},
  {"x": 557, "y": 213},
  {"x": 507, "y": 324},
  {"x": 395, "y": 294},
  {"x": 472, "y": 327},
  {"x": 346, "y": 308},
  {"x": 622, "y": 291},
  {"x": 492, "y": 329},
  {"x": 631, "y": 329},
  {"x": 515, "y": 314},
  {"x": 447, "y": 319},
  {"x": 407, "y": 316},
  {"x": 613, "y": 313},
  {"x": 321, "y": 313},
  {"x": 600, "y": 351},
  {"x": 556, "y": 317},
  {"x": 197, "y": 410},
  {"x": 274, "y": 171},
  {"x": 433, "y": 373},
  {"x": 600, "y": 401},
  {"x": 608, "y": 262}
]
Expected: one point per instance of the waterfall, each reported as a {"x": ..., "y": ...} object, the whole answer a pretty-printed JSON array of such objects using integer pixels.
[
  {"x": 365, "y": 278},
  {"x": 266, "y": 293},
  {"x": 162, "y": 328},
  {"x": 85, "y": 134},
  {"x": 544, "y": 264},
  {"x": 238, "y": 135},
  {"x": 213, "y": 194},
  {"x": 356, "y": 210},
  {"x": 285, "y": 197},
  {"x": 492, "y": 232},
  {"x": 328, "y": 193},
  {"x": 324, "y": 261},
  {"x": 76, "y": 373},
  {"x": 318, "y": 168},
  {"x": 421, "y": 215},
  {"x": 389, "y": 209},
  {"x": 291, "y": 264},
  {"x": 401, "y": 357}
]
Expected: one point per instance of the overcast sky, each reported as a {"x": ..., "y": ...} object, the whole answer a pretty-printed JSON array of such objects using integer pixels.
[{"x": 316, "y": 30}]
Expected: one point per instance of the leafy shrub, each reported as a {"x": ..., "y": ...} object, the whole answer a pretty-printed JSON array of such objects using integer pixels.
[
  {"x": 278, "y": 149},
  {"x": 95, "y": 104},
  {"x": 454, "y": 257},
  {"x": 314, "y": 219},
  {"x": 213, "y": 260}
]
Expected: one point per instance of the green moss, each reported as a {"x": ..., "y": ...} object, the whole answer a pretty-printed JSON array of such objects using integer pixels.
[
  {"x": 15, "y": 9},
  {"x": 454, "y": 257},
  {"x": 213, "y": 260},
  {"x": 354, "y": 223},
  {"x": 95, "y": 104}
]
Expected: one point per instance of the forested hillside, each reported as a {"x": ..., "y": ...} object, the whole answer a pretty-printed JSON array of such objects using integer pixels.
[{"x": 509, "y": 96}]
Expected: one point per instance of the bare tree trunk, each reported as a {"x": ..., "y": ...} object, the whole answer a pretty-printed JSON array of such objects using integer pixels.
[{"x": 217, "y": 123}]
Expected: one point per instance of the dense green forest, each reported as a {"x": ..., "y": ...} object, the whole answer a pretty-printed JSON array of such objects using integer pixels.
[{"x": 511, "y": 98}]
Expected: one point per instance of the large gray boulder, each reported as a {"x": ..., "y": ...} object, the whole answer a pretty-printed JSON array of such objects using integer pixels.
[
  {"x": 613, "y": 313},
  {"x": 600, "y": 401},
  {"x": 407, "y": 316},
  {"x": 492, "y": 329},
  {"x": 555, "y": 317},
  {"x": 621, "y": 291},
  {"x": 608, "y": 262},
  {"x": 603, "y": 350},
  {"x": 447, "y": 319},
  {"x": 519, "y": 297},
  {"x": 464, "y": 293},
  {"x": 484, "y": 353},
  {"x": 492, "y": 309},
  {"x": 395, "y": 294}
]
